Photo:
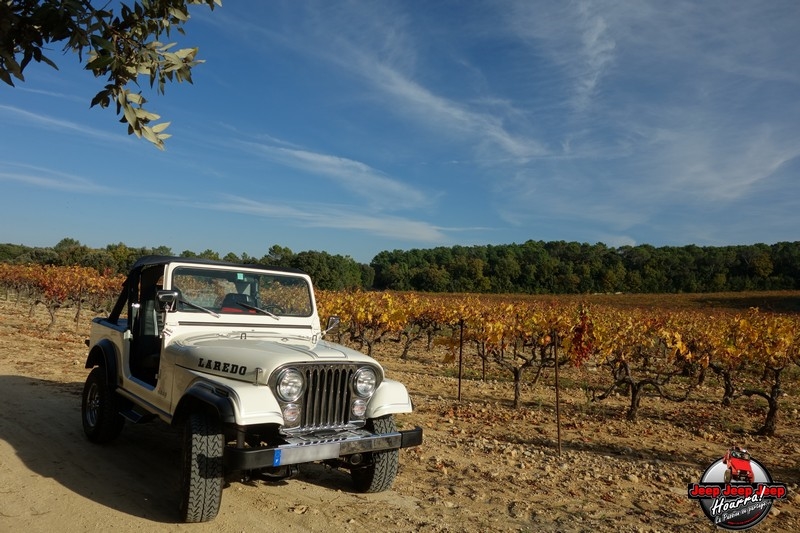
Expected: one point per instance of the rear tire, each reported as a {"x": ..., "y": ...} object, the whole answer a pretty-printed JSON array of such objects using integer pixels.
[
  {"x": 102, "y": 422},
  {"x": 202, "y": 476},
  {"x": 379, "y": 474}
]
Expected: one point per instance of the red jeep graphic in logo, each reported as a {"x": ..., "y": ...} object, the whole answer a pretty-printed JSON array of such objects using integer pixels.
[
  {"x": 736, "y": 492},
  {"x": 738, "y": 462}
]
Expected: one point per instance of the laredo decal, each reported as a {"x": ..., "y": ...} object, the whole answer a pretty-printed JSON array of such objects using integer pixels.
[{"x": 219, "y": 366}]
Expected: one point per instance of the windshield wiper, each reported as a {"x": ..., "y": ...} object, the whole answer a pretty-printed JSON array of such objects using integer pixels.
[
  {"x": 200, "y": 307},
  {"x": 258, "y": 309}
]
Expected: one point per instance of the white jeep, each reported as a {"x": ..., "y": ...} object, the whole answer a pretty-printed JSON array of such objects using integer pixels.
[{"x": 234, "y": 355}]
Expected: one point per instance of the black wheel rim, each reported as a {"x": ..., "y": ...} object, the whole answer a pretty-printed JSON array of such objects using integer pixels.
[{"x": 92, "y": 405}]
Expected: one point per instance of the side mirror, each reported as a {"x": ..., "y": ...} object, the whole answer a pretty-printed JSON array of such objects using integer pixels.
[
  {"x": 333, "y": 323},
  {"x": 167, "y": 300}
]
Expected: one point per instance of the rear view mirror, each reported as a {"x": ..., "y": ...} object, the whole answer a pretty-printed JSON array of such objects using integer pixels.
[
  {"x": 167, "y": 300},
  {"x": 333, "y": 323}
]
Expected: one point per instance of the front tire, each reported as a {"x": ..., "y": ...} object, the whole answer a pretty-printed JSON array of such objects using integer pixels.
[
  {"x": 379, "y": 474},
  {"x": 202, "y": 475},
  {"x": 102, "y": 422}
]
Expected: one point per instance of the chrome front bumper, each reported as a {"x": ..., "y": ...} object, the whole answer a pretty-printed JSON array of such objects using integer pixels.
[{"x": 306, "y": 450}]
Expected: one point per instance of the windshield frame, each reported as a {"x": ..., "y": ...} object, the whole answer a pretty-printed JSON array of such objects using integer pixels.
[{"x": 241, "y": 291}]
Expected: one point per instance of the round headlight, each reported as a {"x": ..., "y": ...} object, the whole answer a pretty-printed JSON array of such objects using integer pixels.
[
  {"x": 290, "y": 385},
  {"x": 365, "y": 382}
]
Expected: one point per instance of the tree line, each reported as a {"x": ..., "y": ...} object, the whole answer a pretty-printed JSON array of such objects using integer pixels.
[
  {"x": 533, "y": 267},
  {"x": 330, "y": 272},
  {"x": 559, "y": 267}
]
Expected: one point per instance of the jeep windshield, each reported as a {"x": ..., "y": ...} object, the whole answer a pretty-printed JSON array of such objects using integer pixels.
[
  {"x": 740, "y": 454},
  {"x": 238, "y": 292}
]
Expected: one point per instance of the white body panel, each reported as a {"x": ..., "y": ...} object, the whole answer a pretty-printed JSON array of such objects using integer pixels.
[{"x": 238, "y": 353}]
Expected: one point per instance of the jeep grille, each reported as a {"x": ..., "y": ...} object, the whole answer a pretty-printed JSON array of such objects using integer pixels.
[{"x": 327, "y": 397}]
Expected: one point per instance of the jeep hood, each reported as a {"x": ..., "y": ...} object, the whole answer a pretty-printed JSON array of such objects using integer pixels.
[
  {"x": 239, "y": 355},
  {"x": 740, "y": 464}
]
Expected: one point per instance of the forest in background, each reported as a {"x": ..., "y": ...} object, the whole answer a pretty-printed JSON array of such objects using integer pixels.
[{"x": 533, "y": 267}]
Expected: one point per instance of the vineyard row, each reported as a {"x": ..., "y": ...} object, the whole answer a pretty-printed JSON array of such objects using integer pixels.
[{"x": 644, "y": 351}]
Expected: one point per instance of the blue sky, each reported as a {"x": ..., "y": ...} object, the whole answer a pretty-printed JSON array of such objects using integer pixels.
[{"x": 358, "y": 127}]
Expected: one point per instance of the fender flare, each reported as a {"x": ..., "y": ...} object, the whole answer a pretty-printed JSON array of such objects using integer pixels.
[
  {"x": 390, "y": 398},
  {"x": 104, "y": 354},
  {"x": 202, "y": 396}
]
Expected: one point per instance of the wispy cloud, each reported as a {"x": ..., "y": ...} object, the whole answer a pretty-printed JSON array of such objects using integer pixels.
[
  {"x": 441, "y": 113},
  {"x": 671, "y": 107},
  {"x": 379, "y": 48},
  {"x": 53, "y": 123},
  {"x": 334, "y": 216},
  {"x": 724, "y": 166},
  {"x": 50, "y": 179},
  {"x": 56, "y": 180},
  {"x": 748, "y": 41},
  {"x": 645, "y": 105},
  {"x": 54, "y": 94},
  {"x": 546, "y": 194},
  {"x": 575, "y": 37},
  {"x": 359, "y": 178},
  {"x": 596, "y": 49}
]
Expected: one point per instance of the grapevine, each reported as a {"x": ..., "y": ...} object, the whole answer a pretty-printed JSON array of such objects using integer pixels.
[{"x": 644, "y": 351}]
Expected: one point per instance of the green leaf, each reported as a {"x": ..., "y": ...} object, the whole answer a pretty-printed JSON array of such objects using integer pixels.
[
  {"x": 186, "y": 53},
  {"x": 130, "y": 116},
  {"x": 145, "y": 116},
  {"x": 179, "y": 14},
  {"x": 158, "y": 128},
  {"x": 102, "y": 44},
  {"x": 120, "y": 43},
  {"x": 101, "y": 98},
  {"x": 148, "y": 134},
  {"x": 100, "y": 63},
  {"x": 49, "y": 62},
  {"x": 5, "y": 77},
  {"x": 135, "y": 98},
  {"x": 11, "y": 65}
]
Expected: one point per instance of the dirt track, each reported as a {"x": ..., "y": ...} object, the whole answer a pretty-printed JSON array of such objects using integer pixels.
[{"x": 483, "y": 466}]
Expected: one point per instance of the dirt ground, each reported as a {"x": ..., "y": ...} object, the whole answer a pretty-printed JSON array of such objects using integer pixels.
[{"x": 482, "y": 467}]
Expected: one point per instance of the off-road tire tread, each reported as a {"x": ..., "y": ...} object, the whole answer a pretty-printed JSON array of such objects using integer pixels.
[
  {"x": 380, "y": 474},
  {"x": 202, "y": 476}
]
